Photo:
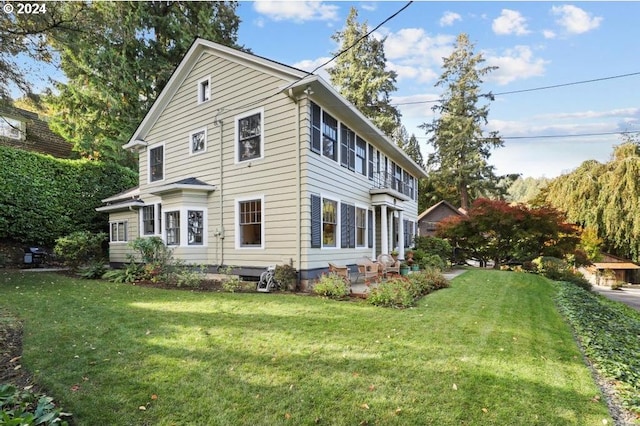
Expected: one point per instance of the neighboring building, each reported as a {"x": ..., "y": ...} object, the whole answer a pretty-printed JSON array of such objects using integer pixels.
[
  {"x": 24, "y": 129},
  {"x": 249, "y": 163},
  {"x": 429, "y": 219},
  {"x": 614, "y": 269}
]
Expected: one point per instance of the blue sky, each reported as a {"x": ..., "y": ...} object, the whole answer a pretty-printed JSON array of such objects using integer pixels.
[{"x": 535, "y": 44}]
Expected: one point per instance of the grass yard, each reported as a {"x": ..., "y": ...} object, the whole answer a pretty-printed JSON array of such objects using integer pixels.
[{"x": 490, "y": 350}]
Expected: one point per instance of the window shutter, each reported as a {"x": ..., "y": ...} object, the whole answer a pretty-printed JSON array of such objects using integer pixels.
[
  {"x": 316, "y": 222},
  {"x": 344, "y": 225},
  {"x": 344, "y": 146},
  {"x": 352, "y": 226},
  {"x": 370, "y": 227},
  {"x": 315, "y": 128}
]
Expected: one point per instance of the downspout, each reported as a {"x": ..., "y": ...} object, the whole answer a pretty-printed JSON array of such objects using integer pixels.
[
  {"x": 298, "y": 186},
  {"x": 220, "y": 241}
]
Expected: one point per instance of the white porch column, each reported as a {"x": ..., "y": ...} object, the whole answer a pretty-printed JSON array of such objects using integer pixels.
[
  {"x": 400, "y": 235},
  {"x": 384, "y": 230},
  {"x": 373, "y": 235},
  {"x": 390, "y": 238}
]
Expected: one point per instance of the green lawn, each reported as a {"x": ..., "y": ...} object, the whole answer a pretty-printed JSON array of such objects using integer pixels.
[{"x": 490, "y": 350}]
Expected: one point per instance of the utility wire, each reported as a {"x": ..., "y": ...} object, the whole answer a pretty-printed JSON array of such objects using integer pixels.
[
  {"x": 345, "y": 50},
  {"x": 554, "y": 86},
  {"x": 575, "y": 135}
]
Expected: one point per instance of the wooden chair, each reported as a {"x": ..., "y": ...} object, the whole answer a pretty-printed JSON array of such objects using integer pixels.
[
  {"x": 368, "y": 269},
  {"x": 342, "y": 271},
  {"x": 388, "y": 264}
]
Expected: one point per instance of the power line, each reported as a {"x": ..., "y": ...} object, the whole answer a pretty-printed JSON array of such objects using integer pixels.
[
  {"x": 575, "y": 135},
  {"x": 491, "y": 95},
  {"x": 259, "y": 101}
]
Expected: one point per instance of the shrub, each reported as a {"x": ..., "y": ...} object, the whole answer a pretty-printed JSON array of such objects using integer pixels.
[
  {"x": 93, "y": 270},
  {"x": 434, "y": 245},
  {"x": 432, "y": 261},
  {"x": 152, "y": 250},
  {"x": 393, "y": 293},
  {"x": 558, "y": 270},
  {"x": 434, "y": 277},
  {"x": 332, "y": 286},
  {"x": 79, "y": 248},
  {"x": 129, "y": 274},
  {"x": 286, "y": 276},
  {"x": 28, "y": 408},
  {"x": 188, "y": 275}
]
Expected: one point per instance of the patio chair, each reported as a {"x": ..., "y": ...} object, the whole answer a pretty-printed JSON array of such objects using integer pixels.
[
  {"x": 388, "y": 264},
  {"x": 367, "y": 269},
  {"x": 342, "y": 271}
]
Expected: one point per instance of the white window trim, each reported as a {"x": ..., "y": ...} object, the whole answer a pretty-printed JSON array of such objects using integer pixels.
[
  {"x": 201, "y": 94},
  {"x": 237, "y": 202},
  {"x": 236, "y": 140},
  {"x": 157, "y": 232},
  {"x": 126, "y": 231},
  {"x": 191, "y": 152},
  {"x": 164, "y": 163},
  {"x": 338, "y": 218},
  {"x": 366, "y": 225},
  {"x": 184, "y": 223}
]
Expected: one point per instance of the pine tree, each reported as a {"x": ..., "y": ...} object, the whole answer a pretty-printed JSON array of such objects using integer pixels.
[
  {"x": 119, "y": 63},
  {"x": 361, "y": 76},
  {"x": 461, "y": 149}
]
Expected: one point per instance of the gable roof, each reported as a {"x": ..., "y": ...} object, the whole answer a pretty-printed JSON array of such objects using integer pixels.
[
  {"x": 438, "y": 205},
  {"x": 296, "y": 82}
]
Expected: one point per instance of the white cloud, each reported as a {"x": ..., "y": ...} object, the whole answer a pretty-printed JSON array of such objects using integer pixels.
[
  {"x": 548, "y": 34},
  {"x": 514, "y": 64},
  {"x": 311, "y": 64},
  {"x": 370, "y": 7},
  {"x": 575, "y": 20},
  {"x": 297, "y": 11},
  {"x": 449, "y": 18},
  {"x": 510, "y": 22},
  {"x": 621, "y": 113},
  {"x": 414, "y": 54}
]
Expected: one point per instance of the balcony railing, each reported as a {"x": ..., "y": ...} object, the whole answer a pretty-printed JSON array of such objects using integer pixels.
[{"x": 389, "y": 181}]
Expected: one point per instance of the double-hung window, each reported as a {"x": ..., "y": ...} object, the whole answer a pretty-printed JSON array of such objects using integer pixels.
[
  {"x": 361, "y": 156},
  {"x": 329, "y": 137},
  {"x": 118, "y": 232},
  {"x": 149, "y": 220},
  {"x": 249, "y": 136},
  {"x": 347, "y": 147},
  {"x": 172, "y": 228},
  {"x": 329, "y": 223},
  {"x": 250, "y": 223},
  {"x": 195, "y": 226},
  {"x": 361, "y": 227},
  {"x": 156, "y": 163}
]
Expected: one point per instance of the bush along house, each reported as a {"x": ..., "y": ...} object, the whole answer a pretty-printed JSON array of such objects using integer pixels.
[{"x": 246, "y": 162}]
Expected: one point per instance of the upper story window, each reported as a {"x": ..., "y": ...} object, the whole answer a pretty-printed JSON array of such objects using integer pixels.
[
  {"x": 156, "y": 163},
  {"x": 329, "y": 137},
  {"x": 11, "y": 128},
  {"x": 198, "y": 141},
  {"x": 361, "y": 156},
  {"x": 347, "y": 147},
  {"x": 249, "y": 136},
  {"x": 204, "y": 90}
]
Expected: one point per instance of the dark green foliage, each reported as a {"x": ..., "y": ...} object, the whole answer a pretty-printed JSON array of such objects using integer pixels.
[
  {"x": 93, "y": 270},
  {"x": 559, "y": 270},
  {"x": 608, "y": 332},
  {"x": 434, "y": 246},
  {"x": 44, "y": 198},
  {"x": 286, "y": 276},
  {"x": 26, "y": 408},
  {"x": 80, "y": 247}
]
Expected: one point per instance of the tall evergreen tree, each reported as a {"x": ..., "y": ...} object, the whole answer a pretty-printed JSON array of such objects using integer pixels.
[
  {"x": 462, "y": 150},
  {"x": 361, "y": 76},
  {"x": 121, "y": 60}
]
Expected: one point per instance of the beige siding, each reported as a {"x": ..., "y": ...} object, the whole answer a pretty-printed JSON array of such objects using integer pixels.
[
  {"x": 272, "y": 177},
  {"x": 118, "y": 250}
]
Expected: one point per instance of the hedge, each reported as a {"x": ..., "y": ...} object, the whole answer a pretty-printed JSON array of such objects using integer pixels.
[{"x": 43, "y": 198}]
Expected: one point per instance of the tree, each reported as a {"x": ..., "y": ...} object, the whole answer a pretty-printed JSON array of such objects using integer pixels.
[
  {"x": 119, "y": 62},
  {"x": 361, "y": 76},
  {"x": 524, "y": 190},
  {"x": 409, "y": 144},
  {"x": 604, "y": 197},
  {"x": 495, "y": 230},
  {"x": 461, "y": 149}
]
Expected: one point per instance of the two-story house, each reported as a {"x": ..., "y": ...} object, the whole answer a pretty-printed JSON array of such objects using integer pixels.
[{"x": 249, "y": 163}]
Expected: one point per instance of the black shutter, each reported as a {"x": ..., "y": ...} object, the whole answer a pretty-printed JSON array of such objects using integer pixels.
[
  {"x": 316, "y": 222},
  {"x": 370, "y": 227},
  {"x": 344, "y": 146},
  {"x": 344, "y": 225},
  {"x": 315, "y": 128},
  {"x": 352, "y": 226}
]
